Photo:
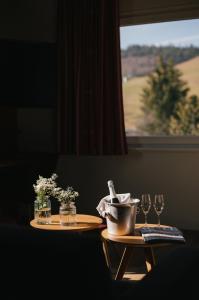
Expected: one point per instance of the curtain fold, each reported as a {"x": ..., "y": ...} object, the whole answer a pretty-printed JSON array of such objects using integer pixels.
[{"x": 90, "y": 104}]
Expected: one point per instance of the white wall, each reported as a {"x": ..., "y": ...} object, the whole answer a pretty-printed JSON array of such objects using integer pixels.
[{"x": 175, "y": 174}]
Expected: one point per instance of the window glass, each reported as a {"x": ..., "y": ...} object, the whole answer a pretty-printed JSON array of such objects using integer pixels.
[{"x": 160, "y": 73}]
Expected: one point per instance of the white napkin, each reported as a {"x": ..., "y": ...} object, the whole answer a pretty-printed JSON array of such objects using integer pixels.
[{"x": 123, "y": 198}]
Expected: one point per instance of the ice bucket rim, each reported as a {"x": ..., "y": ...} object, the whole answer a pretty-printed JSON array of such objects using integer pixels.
[{"x": 131, "y": 202}]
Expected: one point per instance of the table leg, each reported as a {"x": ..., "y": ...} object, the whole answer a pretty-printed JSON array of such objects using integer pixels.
[
  {"x": 149, "y": 258},
  {"x": 123, "y": 263},
  {"x": 106, "y": 252}
]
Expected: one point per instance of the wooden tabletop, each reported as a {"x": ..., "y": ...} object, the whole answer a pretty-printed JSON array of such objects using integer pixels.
[
  {"x": 83, "y": 223},
  {"x": 135, "y": 240}
]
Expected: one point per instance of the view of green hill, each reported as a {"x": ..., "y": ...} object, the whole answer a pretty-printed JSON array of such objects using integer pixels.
[{"x": 132, "y": 90}]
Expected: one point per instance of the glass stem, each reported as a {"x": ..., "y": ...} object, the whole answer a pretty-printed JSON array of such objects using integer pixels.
[
  {"x": 145, "y": 219},
  {"x": 158, "y": 220}
]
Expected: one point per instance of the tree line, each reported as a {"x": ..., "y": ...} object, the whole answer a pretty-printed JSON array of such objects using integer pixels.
[{"x": 177, "y": 54}]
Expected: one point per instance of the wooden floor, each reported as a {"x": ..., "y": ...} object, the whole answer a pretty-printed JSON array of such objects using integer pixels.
[
  {"x": 136, "y": 268},
  {"x": 133, "y": 276}
]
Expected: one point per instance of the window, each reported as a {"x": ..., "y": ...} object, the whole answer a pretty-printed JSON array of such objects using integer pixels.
[{"x": 160, "y": 68}]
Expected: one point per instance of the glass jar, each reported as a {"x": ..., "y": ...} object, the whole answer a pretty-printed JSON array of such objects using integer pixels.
[
  {"x": 42, "y": 210},
  {"x": 67, "y": 212}
]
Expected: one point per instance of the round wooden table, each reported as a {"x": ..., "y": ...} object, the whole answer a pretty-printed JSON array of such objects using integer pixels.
[
  {"x": 83, "y": 223},
  {"x": 129, "y": 242}
]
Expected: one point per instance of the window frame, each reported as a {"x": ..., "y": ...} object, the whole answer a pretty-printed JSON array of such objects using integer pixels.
[{"x": 128, "y": 17}]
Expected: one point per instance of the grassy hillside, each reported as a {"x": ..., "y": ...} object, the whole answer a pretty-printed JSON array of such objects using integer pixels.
[
  {"x": 190, "y": 70},
  {"x": 132, "y": 90}
]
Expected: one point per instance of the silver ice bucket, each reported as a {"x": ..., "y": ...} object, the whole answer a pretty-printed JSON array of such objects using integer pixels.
[{"x": 121, "y": 217}]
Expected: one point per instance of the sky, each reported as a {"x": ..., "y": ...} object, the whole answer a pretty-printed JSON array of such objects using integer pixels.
[{"x": 177, "y": 33}]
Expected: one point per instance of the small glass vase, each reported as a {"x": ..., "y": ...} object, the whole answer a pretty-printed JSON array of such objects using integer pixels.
[
  {"x": 67, "y": 212},
  {"x": 42, "y": 210}
]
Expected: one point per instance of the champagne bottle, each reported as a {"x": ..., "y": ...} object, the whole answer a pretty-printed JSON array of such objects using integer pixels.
[{"x": 113, "y": 195}]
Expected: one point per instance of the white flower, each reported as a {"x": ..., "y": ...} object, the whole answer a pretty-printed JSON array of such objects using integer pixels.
[
  {"x": 48, "y": 187},
  {"x": 45, "y": 186},
  {"x": 68, "y": 195}
]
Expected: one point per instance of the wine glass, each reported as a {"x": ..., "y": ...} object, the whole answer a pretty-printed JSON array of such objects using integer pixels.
[
  {"x": 145, "y": 205},
  {"x": 158, "y": 205}
]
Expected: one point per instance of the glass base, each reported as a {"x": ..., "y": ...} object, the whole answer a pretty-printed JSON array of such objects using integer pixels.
[
  {"x": 43, "y": 216},
  {"x": 67, "y": 220},
  {"x": 43, "y": 221},
  {"x": 67, "y": 214}
]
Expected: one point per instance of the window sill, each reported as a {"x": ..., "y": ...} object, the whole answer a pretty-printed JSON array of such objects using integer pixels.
[{"x": 166, "y": 143}]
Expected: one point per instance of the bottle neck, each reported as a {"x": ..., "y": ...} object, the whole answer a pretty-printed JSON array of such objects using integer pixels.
[{"x": 112, "y": 192}]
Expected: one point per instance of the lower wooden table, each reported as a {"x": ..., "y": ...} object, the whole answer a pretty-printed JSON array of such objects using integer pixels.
[
  {"x": 83, "y": 223},
  {"x": 129, "y": 242}
]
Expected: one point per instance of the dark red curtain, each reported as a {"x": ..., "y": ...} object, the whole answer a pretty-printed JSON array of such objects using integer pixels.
[{"x": 90, "y": 105}]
